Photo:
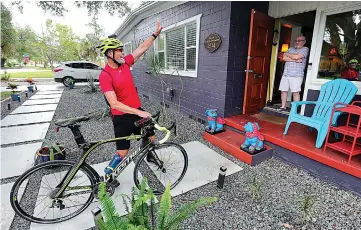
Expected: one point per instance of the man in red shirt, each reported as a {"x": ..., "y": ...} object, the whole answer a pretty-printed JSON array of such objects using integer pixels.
[
  {"x": 350, "y": 72},
  {"x": 117, "y": 84}
]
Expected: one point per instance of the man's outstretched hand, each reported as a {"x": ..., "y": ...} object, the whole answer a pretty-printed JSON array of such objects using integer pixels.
[{"x": 159, "y": 29}]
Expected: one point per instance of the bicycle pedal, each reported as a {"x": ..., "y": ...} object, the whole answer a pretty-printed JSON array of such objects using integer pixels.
[{"x": 115, "y": 183}]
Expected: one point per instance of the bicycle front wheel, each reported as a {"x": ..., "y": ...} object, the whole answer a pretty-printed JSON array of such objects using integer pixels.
[
  {"x": 170, "y": 167},
  {"x": 31, "y": 194}
]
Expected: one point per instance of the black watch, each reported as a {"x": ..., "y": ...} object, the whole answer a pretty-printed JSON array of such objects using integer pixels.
[{"x": 155, "y": 37}]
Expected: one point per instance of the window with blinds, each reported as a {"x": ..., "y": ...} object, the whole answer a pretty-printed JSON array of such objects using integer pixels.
[{"x": 177, "y": 48}]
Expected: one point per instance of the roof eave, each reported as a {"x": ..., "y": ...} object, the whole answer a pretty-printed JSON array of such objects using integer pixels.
[{"x": 145, "y": 11}]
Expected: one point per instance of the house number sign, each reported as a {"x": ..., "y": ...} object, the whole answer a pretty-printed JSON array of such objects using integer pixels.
[{"x": 212, "y": 42}]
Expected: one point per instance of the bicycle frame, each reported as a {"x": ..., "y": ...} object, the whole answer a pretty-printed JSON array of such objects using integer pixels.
[{"x": 87, "y": 149}]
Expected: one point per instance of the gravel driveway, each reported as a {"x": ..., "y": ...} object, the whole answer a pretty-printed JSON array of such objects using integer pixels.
[{"x": 267, "y": 196}]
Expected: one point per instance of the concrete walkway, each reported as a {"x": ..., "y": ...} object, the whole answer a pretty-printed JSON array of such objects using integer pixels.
[{"x": 26, "y": 123}]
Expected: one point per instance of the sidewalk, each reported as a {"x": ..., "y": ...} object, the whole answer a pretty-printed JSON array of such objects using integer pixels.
[{"x": 21, "y": 135}]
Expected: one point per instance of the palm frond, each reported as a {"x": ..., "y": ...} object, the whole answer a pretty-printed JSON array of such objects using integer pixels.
[
  {"x": 133, "y": 227},
  {"x": 165, "y": 206},
  {"x": 139, "y": 213},
  {"x": 126, "y": 205},
  {"x": 107, "y": 206},
  {"x": 184, "y": 212},
  {"x": 152, "y": 207},
  {"x": 101, "y": 225},
  {"x": 121, "y": 223}
]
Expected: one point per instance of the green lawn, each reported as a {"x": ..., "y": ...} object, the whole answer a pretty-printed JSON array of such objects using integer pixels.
[
  {"x": 42, "y": 68},
  {"x": 6, "y": 94},
  {"x": 27, "y": 67},
  {"x": 42, "y": 74}
]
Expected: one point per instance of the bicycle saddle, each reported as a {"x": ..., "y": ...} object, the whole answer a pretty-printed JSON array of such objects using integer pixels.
[{"x": 71, "y": 121}]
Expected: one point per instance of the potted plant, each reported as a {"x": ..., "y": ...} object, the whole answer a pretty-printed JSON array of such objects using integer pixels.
[
  {"x": 15, "y": 95},
  {"x": 51, "y": 151},
  {"x": 71, "y": 83},
  {"x": 31, "y": 83}
]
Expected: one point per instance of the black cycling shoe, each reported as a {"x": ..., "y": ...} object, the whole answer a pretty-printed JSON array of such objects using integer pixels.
[
  {"x": 115, "y": 183},
  {"x": 151, "y": 159}
]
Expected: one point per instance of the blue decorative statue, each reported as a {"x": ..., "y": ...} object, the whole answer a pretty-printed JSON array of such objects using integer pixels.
[
  {"x": 215, "y": 123},
  {"x": 254, "y": 139}
]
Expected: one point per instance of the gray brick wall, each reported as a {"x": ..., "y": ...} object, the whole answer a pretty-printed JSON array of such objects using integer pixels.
[
  {"x": 237, "y": 53},
  {"x": 220, "y": 80}
]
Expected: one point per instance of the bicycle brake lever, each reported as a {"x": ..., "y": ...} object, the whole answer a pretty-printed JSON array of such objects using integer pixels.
[
  {"x": 156, "y": 116},
  {"x": 173, "y": 126}
]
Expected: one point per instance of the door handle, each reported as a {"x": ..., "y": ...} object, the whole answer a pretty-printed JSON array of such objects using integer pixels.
[
  {"x": 249, "y": 71},
  {"x": 257, "y": 75}
]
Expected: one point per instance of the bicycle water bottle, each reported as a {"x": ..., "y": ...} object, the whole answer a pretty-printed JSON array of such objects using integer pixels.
[{"x": 113, "y": 164}]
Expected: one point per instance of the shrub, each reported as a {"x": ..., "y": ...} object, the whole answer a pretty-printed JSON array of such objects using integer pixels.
[
  {"x": 5, "y": 76},
  {"x": 140, "y": 215}
]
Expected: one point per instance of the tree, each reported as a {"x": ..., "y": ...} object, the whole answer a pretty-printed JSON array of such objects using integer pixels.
[
  {"x": 94, "y": 37},
  {"x": 67, "y": 43},
  {"x": 58, "y": 43},
  {"x": 84, "y": 49},
  {"x": 48, "y": 44},
  {"x": 8, "y": 34},
  {"x": 87, "y": 46},
  {"x": 57, "y": 7},
  {"x": 25, "y": 44}
]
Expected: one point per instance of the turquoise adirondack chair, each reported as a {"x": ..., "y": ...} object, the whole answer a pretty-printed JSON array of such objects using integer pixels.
[{"x": 339, "y": 90}]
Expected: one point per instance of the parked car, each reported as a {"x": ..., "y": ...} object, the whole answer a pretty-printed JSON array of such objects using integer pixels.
[{"x": 78, "y": 71}]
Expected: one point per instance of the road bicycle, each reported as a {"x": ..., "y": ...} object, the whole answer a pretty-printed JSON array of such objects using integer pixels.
[{"x": 54, "y": 191}]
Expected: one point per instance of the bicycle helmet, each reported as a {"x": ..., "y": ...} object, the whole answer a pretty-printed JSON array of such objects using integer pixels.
[
  {"x": 353, "y": 61},
  {"x": 109, "y": 43}
]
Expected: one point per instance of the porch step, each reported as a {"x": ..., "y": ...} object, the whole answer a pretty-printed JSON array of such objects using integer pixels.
[{"x": 230, "y": 142}]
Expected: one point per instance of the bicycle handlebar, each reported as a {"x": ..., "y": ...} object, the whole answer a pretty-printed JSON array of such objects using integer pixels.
[
  {"x": 163, "y": 129},
  {"x": 154, "y": 120}
]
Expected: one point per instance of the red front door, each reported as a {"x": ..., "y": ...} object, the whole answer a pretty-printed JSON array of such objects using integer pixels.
[{"x": 258, "y": 63}]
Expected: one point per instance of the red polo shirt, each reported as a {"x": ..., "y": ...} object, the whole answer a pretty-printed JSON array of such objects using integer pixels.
[{"x": 121, "y": 82}]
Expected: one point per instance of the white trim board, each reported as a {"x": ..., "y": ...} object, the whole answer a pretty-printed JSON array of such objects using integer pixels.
[{"x": 143, "y": 12}]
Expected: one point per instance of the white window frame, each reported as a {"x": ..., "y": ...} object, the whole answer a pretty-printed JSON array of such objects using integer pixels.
[
  {"x": 131, "y": 46},
  {"x": 131, "y": 50},
  {"x": 312, "y": 82},
  {"x": 188, "y": 73}
]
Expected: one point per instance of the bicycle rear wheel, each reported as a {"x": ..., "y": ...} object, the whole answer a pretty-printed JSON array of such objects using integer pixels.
[
  {"x": 30, "y": 194},
  {"x": 173, "y": 167}
]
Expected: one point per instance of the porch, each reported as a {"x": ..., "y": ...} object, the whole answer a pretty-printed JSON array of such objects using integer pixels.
[{"x": 299, "y": 140}]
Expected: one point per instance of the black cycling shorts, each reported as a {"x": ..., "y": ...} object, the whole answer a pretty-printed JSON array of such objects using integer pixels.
[{"x": 124, "y": 126}]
